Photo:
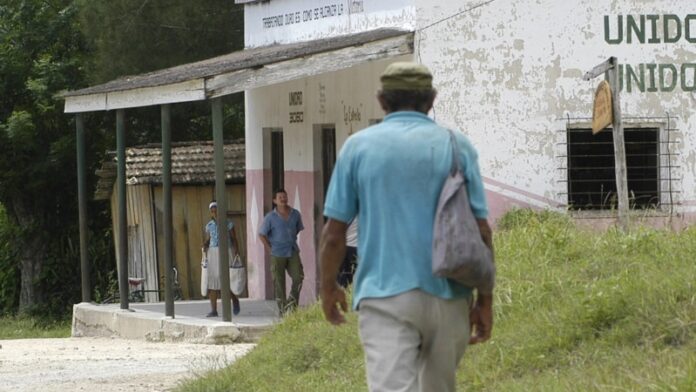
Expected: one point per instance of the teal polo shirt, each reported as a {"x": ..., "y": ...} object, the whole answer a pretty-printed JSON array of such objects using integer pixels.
[{"x": 390, "y": 176}]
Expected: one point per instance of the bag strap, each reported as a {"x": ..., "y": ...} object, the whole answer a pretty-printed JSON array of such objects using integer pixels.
[{"x": 455, "y": 167}]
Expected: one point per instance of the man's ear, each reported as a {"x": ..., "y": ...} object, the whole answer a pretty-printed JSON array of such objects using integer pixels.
[
  {"x": 382, "y": 102},
  {"x": 431, "y": 101}
]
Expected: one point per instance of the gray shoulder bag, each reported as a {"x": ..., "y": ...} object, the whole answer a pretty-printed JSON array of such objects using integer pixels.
[{"x": 459, "y": 253}]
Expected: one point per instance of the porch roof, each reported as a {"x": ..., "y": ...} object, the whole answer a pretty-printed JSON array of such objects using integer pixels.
[{"x": 241, "y": 70}]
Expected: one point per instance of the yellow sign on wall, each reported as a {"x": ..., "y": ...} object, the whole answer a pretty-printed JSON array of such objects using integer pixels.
[{"x": 602, "y": 111}]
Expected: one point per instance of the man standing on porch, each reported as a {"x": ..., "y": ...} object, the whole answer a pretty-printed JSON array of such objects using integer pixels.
[
  {"x": 279, "y": 236},
  {"x": 414, "y": 326}
]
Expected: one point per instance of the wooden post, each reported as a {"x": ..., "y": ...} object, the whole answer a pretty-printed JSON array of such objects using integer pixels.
[
  {"x": 619, "y": 145},
  {"x": 82, "y": 208},
  {"x": 122, "y": 212},
  {"x": 167, "y": 209},
  {"x": 610, "y": 69},
  {"x": 223, "y": 233}
]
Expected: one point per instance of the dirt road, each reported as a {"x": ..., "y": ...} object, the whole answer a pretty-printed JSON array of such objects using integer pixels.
[{"x": 106, "y": 365}]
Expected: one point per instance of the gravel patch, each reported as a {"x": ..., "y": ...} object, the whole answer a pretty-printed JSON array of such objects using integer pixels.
[{"x": 107, "y": 364}]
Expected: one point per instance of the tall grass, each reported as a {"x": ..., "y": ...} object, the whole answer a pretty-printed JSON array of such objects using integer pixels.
[{"x": 575, "y": 310}]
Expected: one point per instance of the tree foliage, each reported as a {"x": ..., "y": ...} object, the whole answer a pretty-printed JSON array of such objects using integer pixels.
[
  {"x": 41, "y": 53},
  {"x": 9, "y": 267},
  {"x": 136, "y": 36},
  {"x": 130, "y": 37},
  {"x": 48, "y": 46}
]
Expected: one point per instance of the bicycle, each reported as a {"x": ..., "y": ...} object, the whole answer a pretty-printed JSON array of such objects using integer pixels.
[{"x": 137, "y": 294}]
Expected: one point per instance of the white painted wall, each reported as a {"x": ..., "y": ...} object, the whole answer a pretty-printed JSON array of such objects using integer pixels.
[
  {"x": 509, "y": 72},
  {"x": 327, "y": 99}
]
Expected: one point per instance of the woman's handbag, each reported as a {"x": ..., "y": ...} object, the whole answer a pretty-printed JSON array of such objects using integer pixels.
[
  {"x": 237, "y": 275},
  {"x": 459, "y": 252},
  {"x": 204, "y": 273}
]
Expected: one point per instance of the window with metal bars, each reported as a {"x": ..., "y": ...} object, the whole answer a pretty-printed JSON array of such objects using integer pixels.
[{"x": 591, "y": 173}]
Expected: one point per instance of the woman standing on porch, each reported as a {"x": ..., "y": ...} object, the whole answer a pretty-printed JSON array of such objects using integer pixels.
[{"x": 213, "y": 254}]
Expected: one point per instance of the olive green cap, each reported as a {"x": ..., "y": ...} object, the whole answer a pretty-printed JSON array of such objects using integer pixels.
[{"x": 406, "y": 76}]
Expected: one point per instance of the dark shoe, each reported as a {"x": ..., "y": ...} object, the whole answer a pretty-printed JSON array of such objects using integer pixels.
[
  {"x": 235, "y": 306},
  {"x": 212, "y": 314}
]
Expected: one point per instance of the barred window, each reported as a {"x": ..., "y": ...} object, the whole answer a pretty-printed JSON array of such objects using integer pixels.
[{"x": 591, "y": 172}]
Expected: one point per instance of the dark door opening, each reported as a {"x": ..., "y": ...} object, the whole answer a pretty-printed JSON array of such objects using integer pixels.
[
  {"x": 277, "y": 161},
  {"x": 328, "y": 155}
]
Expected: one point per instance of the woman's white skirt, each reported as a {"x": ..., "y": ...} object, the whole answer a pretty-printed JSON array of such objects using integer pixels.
[{"x": 214, "y": 266}]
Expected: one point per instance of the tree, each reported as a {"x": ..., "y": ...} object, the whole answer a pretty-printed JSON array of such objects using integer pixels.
[
  {"x": 41, "y": 52},
  {"x": 47, "y": 46},
  {"x": 136, "y": 36},
  {"x": 130, "y": 37}
]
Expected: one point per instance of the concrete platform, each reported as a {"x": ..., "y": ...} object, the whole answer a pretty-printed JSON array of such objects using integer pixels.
[{"x": 147, "y": 321}]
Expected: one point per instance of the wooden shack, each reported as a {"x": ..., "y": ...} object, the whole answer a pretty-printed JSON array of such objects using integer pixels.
[{"x": 193, "y": 187}]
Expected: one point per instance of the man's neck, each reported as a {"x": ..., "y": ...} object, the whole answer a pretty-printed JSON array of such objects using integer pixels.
[
  {"x": 283, "y": 209},
  {"x": 406, "y": 109}
]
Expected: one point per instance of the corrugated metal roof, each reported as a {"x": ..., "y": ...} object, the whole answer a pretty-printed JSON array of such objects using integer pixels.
[{"x": 192, "y": 163}]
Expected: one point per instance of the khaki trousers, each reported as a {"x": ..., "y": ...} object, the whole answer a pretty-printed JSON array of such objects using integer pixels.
[
  {"x": 413, "y": 341},
  {"x": 293, "y": 265}
]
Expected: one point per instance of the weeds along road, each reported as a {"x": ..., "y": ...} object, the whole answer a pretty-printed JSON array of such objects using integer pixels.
[{"x": 106, "y": 365}]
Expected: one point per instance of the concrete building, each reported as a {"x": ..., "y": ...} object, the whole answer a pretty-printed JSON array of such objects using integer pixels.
[{"x": 509, "y": 75}]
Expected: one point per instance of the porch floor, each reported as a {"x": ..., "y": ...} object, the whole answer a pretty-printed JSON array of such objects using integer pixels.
[{"x": 147, "y": 321}]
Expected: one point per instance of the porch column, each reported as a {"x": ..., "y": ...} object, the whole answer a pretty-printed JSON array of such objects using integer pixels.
[
  {"x": 82, "y": 208},
  {"x": 223, "y": 233},
  {"x": 122, "y": 213},
  {"x": 167, "y": 206}
]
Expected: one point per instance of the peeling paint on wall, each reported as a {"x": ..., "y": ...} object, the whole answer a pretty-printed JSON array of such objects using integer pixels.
[{"x": 509, "y": 73}]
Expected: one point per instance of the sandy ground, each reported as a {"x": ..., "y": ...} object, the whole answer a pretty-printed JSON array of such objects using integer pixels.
[{"x": 106, "y": 365}]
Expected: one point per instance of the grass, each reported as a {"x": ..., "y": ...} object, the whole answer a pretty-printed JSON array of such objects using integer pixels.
[
  {"x": 25, "y": 327},
  {"x": 575, "y": 310}
]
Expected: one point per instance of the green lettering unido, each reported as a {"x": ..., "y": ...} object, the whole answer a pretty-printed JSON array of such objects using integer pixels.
[
  {"x": 684, "y": 73},
  {"x": 632, "y": 27},
  {"x": 639, "y": 78},
  {"x": 654, "y": 39},
  {"x": 665, "y": 21},
  {"x": 687, "y": 28},
  {"x": 652, "y": 87},
  {"x": 621, "y": 77},
  {"x": 607, "y": 35},
  {"x": 663, "y": 81}
]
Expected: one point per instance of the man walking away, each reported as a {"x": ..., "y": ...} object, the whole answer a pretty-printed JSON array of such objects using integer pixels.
[
  {"x": 279, "y": 236},
  {"x": 414, "y": 326}
]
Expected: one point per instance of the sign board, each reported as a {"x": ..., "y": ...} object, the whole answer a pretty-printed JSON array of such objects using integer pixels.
[
  {"x": 289, "y": 21},
  {"x": 602, "y": 112}
]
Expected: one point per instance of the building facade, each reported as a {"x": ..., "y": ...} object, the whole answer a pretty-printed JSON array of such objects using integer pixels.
[{"x": 510, "y": 76}]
